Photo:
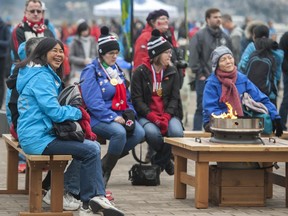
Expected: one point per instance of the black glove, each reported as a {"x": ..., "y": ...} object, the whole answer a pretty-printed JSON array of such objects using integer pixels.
[
  {"x": 277, "y": 127},
  {"x": 207, "y": 127}
]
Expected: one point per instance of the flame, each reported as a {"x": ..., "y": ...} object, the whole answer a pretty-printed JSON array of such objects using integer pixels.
[{"x": 228, "y": 115}]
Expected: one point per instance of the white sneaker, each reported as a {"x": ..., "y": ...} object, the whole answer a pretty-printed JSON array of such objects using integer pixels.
[
  {"x": 102, "y": 204},
  {"x": 69, "y": 202},
  {"x": 85, "y": 212}
]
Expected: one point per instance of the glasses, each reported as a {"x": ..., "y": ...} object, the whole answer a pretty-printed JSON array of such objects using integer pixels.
[
  {"x": 168, "y": 52},
  {"x": 33, "y": 11}
]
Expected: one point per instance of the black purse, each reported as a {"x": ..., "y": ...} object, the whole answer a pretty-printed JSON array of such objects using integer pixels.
[{"x": 147, "y": 175}]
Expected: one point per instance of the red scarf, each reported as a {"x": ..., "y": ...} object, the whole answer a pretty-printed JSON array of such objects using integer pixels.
[
  {"x": 37, "y": 27},
  {"x": 229, "y": 91},
  {"x": 119, "y": 101}
]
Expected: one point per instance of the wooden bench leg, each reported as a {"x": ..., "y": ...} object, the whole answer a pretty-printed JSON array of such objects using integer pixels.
[
  {"x": 57, "y": 185},
  {"x": 202, "y": 184},
  {"x": 12, "y": 173},
  {"x": 179, "y": 188},
  {"x": 286, "y": 183},
  {"x": 35, "y": 185}
]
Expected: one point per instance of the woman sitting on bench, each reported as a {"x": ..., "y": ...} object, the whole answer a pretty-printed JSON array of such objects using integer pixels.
[{"x": 38, "y": 84}]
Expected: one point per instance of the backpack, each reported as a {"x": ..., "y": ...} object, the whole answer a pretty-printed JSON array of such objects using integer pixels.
[
  {"x": 69, "y": 130},
  {"x": 261, "y": 70},
  {"x": 12, "y": 103}
]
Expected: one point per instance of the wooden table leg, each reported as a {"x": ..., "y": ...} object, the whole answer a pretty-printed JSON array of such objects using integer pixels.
[
  {"x": 179, "y": 188},
  {"x": 202, "y": 184},
  {"x": 268, "y": 181}
]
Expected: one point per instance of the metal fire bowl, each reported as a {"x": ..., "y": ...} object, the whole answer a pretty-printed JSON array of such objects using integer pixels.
[{"x": 240, "y": 125}]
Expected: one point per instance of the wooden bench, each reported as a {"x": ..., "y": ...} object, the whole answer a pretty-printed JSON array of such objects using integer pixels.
[
  {"x": 203, "y": 134},
  {"x": 33, "y": 179}
]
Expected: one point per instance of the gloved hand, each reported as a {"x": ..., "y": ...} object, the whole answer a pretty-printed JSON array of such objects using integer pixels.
[
  {"x": 207, "y": 127},
  {"x": 164, "y": 126},
  {"x": 166, "y": 116},
  {"x": 85, "y": 124},
  {"x": 277, "y": 127},
  {"x": 153, "y": 117}
]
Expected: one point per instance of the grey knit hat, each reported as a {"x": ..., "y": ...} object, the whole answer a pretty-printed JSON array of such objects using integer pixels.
[{"x": 216, "y": 55}]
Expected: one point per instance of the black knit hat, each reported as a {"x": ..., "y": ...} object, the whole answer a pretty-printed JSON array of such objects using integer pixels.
[
  {"x": 107, "y": 42},
  {"x": 157, "y": 44},
  {"x": 155, "y": 14},
  {"x": 82, "y": 26}
]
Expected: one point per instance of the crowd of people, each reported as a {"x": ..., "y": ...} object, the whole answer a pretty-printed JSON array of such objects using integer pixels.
[{"x": 128, "y": 111}]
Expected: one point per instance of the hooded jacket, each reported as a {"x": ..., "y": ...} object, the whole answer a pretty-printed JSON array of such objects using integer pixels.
[
  {"x": 38, "y": 106},
  {"x": 213, "y": 91}
]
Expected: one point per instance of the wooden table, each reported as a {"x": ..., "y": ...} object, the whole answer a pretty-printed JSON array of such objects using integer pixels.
[{"x": 205, "y": 152}]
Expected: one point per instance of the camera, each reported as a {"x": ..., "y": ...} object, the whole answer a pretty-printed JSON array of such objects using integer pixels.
[{"x": 180, "y": 63}]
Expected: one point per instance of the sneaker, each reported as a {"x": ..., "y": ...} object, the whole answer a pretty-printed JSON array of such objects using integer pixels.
[
  {"x": 102, "y": 204},
  {"x": 85, "y": 212},
  {"x": 109, "y": 195},
  {"x": 170, "y": 168},
  {"x": 69, "y": 202},
  {"x": 21, "y": 167}
]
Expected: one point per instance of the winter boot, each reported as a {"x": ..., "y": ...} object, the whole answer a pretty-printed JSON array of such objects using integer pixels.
[{"x": 108, "y": 163}]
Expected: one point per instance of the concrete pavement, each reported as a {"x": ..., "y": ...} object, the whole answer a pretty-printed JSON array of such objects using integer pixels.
[{"x": 144, "y": 201}]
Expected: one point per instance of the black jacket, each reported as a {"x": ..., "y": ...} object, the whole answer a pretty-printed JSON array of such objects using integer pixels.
[{"x": 141, "y": 91}]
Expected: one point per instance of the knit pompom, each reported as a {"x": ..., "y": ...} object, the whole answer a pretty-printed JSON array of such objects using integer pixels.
[
  {"x": 156, "y": 33},
  {"x": 104, "y": 30}
]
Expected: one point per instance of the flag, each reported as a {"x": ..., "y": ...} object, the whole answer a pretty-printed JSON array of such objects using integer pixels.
[{"x": 127, "y": 18}]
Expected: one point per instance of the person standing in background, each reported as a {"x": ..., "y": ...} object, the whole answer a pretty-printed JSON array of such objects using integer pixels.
[
  {"x": 32, "y": 25},
  {"x": 235, "y": 33},
  {"x": 283, "y": 112},
  {"x": 5, "y": 35},
  {"x": 83, "y": 50},
  {"x": 201, "y": 46}
]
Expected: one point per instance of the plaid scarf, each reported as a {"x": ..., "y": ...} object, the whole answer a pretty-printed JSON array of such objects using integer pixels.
[{"x": 229, "y": 91}]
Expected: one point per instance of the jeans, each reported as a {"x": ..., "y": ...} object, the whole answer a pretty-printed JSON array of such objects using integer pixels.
[
  {"x": 198, "y": 116},
  {"x": 116, "y": 134},
  {"x": 283, "y": 111},
  {"x": 86, "y": 165},
  {"x": 155, "y": 139}
]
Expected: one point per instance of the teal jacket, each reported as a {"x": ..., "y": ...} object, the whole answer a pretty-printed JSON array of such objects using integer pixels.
[{"x": 38, "y": 107}]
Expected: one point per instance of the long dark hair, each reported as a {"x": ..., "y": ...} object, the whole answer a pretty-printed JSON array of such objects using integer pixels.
[{"x": 39, "y": 55}]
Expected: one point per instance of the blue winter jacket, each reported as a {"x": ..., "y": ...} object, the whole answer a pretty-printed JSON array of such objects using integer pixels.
[
  {"x": 278, "y": 55},
  {"x": 213, "y": 91},
  {"x": 97, "y": 93},
  {"x": 38, "y": 107}
]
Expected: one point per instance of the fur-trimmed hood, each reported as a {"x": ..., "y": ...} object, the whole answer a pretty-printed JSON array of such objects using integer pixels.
[{"x": 248, "y": 30}]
